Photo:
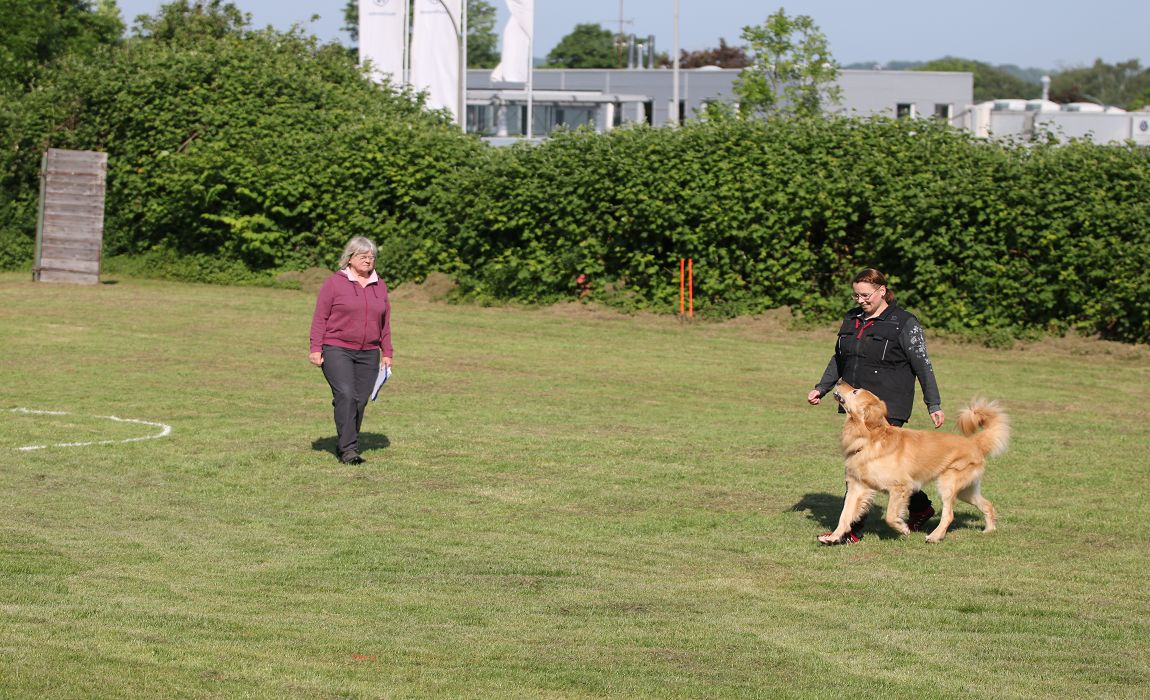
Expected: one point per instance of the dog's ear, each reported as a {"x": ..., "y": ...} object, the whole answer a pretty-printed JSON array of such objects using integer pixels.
[{"x": 876, "y": 412}]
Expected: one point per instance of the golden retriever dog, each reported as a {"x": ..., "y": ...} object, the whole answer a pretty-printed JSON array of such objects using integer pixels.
[{"x": 900, "y": 461}]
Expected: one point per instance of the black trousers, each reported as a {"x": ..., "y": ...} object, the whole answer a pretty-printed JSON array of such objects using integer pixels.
[
  {"x": 351, "y": 375},
  {"x": 919, "y": 501}
]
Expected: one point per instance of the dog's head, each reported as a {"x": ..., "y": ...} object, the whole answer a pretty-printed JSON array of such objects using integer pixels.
[{"x": 861, "y": 405}]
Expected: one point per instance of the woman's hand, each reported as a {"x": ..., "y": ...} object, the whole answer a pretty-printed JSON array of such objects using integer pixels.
[
  {"x": 316, "y": 358},
  {"x": 938, "y": 417},
  {"x": 385, "y": 361},
  {"x": 814, "y": 398}
]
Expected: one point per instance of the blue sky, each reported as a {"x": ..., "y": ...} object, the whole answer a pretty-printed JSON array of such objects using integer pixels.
[{"x": 1052, "y": 34}]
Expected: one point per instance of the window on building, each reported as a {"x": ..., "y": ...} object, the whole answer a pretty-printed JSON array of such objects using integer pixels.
[
  {"x": 943, "y": 110},
  {"x": 904, "y": 110}
]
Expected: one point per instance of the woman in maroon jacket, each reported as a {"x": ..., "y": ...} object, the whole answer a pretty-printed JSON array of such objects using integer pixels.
[{"x": 351, "y": 339}]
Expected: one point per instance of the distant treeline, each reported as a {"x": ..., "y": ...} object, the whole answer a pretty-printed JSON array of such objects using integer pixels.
[{"x": 1125, "y": 85}]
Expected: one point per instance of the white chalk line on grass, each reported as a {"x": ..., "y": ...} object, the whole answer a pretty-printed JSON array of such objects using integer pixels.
[{"x": 165, "y": 430}]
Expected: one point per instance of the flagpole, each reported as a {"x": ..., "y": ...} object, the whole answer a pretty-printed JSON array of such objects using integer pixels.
[
  {"x": 463, "y": 67},
  {"x": 531, "y": 76},
  {"x": 406, "y": 62},
  {"x": 675, "y": 69}
]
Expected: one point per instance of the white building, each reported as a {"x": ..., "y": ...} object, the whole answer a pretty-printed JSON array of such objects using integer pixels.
[
  {"x": 1029, "y": 119},
  {"x": 606, "y": 98}
]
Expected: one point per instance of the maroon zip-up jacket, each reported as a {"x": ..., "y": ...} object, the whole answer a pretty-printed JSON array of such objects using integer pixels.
[{"x": 350, "y": 316}]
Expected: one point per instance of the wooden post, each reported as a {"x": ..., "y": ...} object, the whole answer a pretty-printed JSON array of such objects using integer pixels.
[
  {"x": 682, "y": 284},
  {"x": 70, "y": 225},
  {"x": 691, "y": 288}
]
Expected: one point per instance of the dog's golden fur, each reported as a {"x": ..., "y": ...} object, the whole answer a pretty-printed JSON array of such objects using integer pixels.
[{"x": 900, "y": 461}]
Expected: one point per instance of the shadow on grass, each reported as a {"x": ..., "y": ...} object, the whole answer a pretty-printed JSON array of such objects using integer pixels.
[
  {"x": 824, "y": 509},
  {"x": 367, "y": 443}
]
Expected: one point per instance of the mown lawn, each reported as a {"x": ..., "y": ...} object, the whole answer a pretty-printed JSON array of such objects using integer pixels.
[{"x": 557, "y": 503}]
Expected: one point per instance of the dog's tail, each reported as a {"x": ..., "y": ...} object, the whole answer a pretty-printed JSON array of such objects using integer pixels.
[{"x": 994, "y": 435}]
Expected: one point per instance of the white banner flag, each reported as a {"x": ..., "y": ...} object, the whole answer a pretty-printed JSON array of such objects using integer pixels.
[
  {"x": 515, "y": 60},
  {"x": 435, "y": 52},
  {"x": 382, "y": 25}
]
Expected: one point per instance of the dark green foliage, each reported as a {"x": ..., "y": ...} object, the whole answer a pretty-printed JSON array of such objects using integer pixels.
[
  {"x": 978, "y": 237},
  {"x": 990, "y": 82},
  {"x": 263, "y": 148},
  {"x": 482, "y": 39},
  {"x": 35, "y": 32},
  {"x": 587, "y": 46},
  {"x": 1124, "y": 84},
  {"x": 190, "y": 21}
]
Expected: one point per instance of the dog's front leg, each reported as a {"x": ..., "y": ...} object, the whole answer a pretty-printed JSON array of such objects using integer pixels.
[{"x": 854, "y": 505}]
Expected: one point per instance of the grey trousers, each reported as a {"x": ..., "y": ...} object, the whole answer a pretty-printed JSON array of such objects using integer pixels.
[{"x": 351, "y": 375}]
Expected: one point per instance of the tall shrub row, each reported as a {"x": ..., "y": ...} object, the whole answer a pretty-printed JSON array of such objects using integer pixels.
[
  {"x": 992, "y": 237},
  {"x": 233, "y": 155},
  {"x": 255, "y": 152}
]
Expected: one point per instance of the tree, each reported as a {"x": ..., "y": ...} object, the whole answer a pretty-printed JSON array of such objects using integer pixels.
[
  {"x": 791, "y": 70},
  {"x": 1119, "y": 84},
  {"x": 232, "y": 152},
  {"x": 587, "y": 46},
  {"x": 192, "y": 20},
  {"x": 726, "y": 56},
  {"x": 35, "y": 32},
  {"x": 351, "y": 20},
  {"x": 481, "y": 35},
  {"x": 989, "y": 82},
  {"x": 1141, "y": 100}
]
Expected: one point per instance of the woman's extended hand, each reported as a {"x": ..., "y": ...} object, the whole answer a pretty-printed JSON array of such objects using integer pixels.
[
  {"x": 813, "y": 398},
  {"x": 316, "y": 358},
  {"x": 938, "y": 417}
]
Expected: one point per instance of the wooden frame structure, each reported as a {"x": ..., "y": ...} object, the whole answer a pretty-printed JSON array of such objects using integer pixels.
[{"x": 70, "y": 225}]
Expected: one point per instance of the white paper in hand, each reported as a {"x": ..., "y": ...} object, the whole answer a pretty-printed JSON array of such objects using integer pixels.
[{"x": 384, "y": 373}]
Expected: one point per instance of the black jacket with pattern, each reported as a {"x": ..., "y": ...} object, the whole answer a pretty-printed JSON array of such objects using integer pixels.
[{"x": 884, "y": 355}]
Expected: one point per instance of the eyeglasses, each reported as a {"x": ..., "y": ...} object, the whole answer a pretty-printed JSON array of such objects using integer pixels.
[
  {"x": 363, "y": 256},
  {"x": 865, "y": 297}
]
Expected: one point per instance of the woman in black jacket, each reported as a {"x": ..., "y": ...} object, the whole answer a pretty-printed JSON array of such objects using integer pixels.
[{"x": 881, "y": 348}]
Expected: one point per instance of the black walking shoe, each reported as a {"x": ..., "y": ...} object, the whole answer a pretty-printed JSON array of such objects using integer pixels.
[
  {"x": 917, "y": 519},
  {"x": 352, "y": 458}
]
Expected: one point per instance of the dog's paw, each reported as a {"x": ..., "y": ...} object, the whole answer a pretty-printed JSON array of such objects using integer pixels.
[{"x": 831, "y": 538}]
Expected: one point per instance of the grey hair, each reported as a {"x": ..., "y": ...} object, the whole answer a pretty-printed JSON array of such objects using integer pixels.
[{"x": 354, "y": 247}]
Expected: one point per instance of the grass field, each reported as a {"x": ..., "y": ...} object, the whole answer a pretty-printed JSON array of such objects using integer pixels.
[{"x": 557, "y": 503}]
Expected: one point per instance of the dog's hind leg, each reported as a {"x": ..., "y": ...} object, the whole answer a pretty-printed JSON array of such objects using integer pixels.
[
  {"x": 896, "y": 507},
  {"x": 947, "y": 490},
  {"x": 972, "y": 494}
]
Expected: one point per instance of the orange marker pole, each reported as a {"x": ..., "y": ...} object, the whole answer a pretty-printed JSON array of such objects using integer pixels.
[
  {"x": 682, "y": 281},
  {"x": 691, "y": 288}
]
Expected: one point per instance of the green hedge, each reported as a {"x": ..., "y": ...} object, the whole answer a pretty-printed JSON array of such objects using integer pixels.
[
  {"x": 977, "y": 236},
  {"x": 238, "y": 157},
  {"x": 260, "y": 150}
]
